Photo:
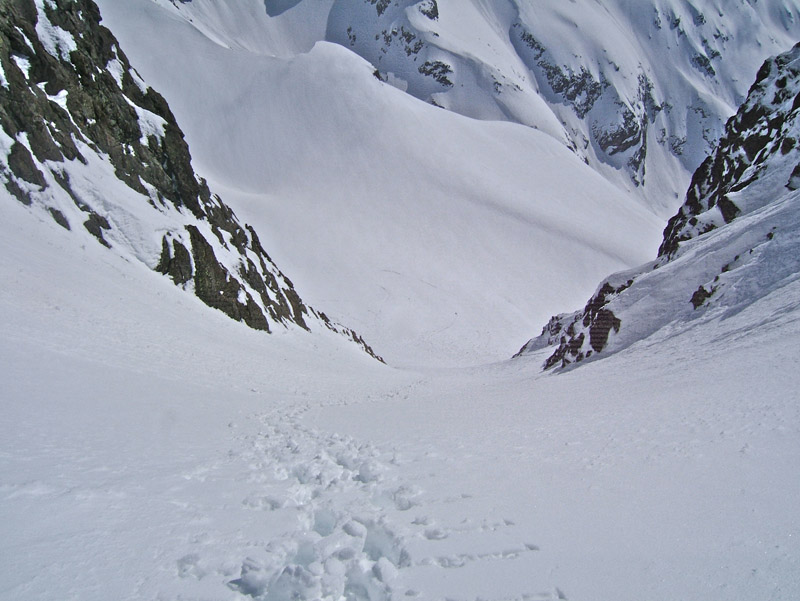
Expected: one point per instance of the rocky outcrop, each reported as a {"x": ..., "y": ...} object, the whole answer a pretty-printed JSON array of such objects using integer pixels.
[
  {"x": 734, "y": 240},
  {"x": 577, "y": 336},
  {"x": 766, "y": 125},
  {"x": 71, "y": 109}
]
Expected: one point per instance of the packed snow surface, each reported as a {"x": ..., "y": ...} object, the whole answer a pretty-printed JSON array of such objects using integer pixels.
[{"x": 154, "y": 449}]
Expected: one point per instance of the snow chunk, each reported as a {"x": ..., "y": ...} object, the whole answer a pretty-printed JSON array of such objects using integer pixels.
[
  {"x": 6, "y": 142},
  {"x": 115, "y": 68},
  {"x": 58, "y": 42},
  {"x": 117, "y": 71},
  {"x": 60, "y": 99},
  {"x": 23, "y": 63},
  {"x": 3, "y": 80},
  {"x": 150, "y": 124}
]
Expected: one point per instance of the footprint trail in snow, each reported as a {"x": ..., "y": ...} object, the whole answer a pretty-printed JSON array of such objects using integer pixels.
[{"x": 351, "y": 528}]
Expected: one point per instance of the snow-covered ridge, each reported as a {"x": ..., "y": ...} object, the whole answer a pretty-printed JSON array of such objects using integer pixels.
[
  {"x": 757, "y": 154},
  {"x": 733, "y": 242},
  {"x": 640, "y": 90},
  {"x": 85, "y": 141}
]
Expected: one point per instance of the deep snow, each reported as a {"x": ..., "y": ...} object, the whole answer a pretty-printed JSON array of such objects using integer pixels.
[{"x": 437, "y": 237}]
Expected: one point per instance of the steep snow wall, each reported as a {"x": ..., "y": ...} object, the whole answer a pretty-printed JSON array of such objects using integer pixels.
[
  {"x": 434, "y": 235},
  {"x": 641, "y": 90}
]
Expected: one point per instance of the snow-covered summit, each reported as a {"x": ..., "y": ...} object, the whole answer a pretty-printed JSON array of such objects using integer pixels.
[
  {"x": 86, "y": 142},
  {"x": 731, "y": 245}
]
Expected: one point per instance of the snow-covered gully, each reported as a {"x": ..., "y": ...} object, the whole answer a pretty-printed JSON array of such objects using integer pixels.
[{"x": 153, "y": 448}]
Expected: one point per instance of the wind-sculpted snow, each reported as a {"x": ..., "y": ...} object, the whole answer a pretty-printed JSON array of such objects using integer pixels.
[
  {"x": 635, "y": 88},
  {"x": 429, "y": 233},
  {"x": 734, "y": 241},
  {"x": 87, "y": 142}
]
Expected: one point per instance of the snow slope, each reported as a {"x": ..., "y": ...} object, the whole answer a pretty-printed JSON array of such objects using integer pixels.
[
  {"x": 640, "y": 89},
  {"x": 437, "y": 237},
  {"x": 85, "y": 141},
  {"x": 152, "y": 448}
]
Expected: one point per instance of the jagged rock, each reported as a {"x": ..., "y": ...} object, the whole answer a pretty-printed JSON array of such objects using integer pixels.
[
  {"x": 700, "y": 296},
  {"x": 765, "y": 125},
  {"x": 430, "y": 9},
  {"x": 581, "y": 334},
  {"x": 95, "y": 226},
  {"x": 438, "y": 70},
  {"x": 21, "y": 164},
  {"x": 59, "y": 218},
  {"x": 176, "y": 262}
]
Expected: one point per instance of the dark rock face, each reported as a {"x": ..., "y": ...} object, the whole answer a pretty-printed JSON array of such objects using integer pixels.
[
  {"x": 580, "y": 90},
  {"x": 72, "y": 94},
  {"x": 762, "y": 128},
  {"x": 577, "y": 336},
  {"x": 430, "y": 9},
  {"x": 438, "y": 71},
  {"x": 617, "y": 126}
]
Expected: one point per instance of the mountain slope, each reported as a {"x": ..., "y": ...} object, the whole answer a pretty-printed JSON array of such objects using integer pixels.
[
  {"x": 640, "y": 90},
  {"x": 86, "y": 141},
  {"x": 152, "y": 448},
  {"x": 433, "y": 235},
  {"x": 733, "y": 243}
]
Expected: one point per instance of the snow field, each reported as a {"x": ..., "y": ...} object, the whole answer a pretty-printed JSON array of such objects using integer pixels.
[{"x": 152, "y": 448}]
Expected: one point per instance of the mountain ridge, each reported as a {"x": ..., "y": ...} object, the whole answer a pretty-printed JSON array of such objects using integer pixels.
[
  {"x": 594, "y": 77},
  {"x": 73, "y": 108}
]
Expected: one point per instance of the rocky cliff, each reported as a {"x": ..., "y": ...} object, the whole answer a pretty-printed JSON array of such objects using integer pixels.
[{"x": 87, "y": 142}]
